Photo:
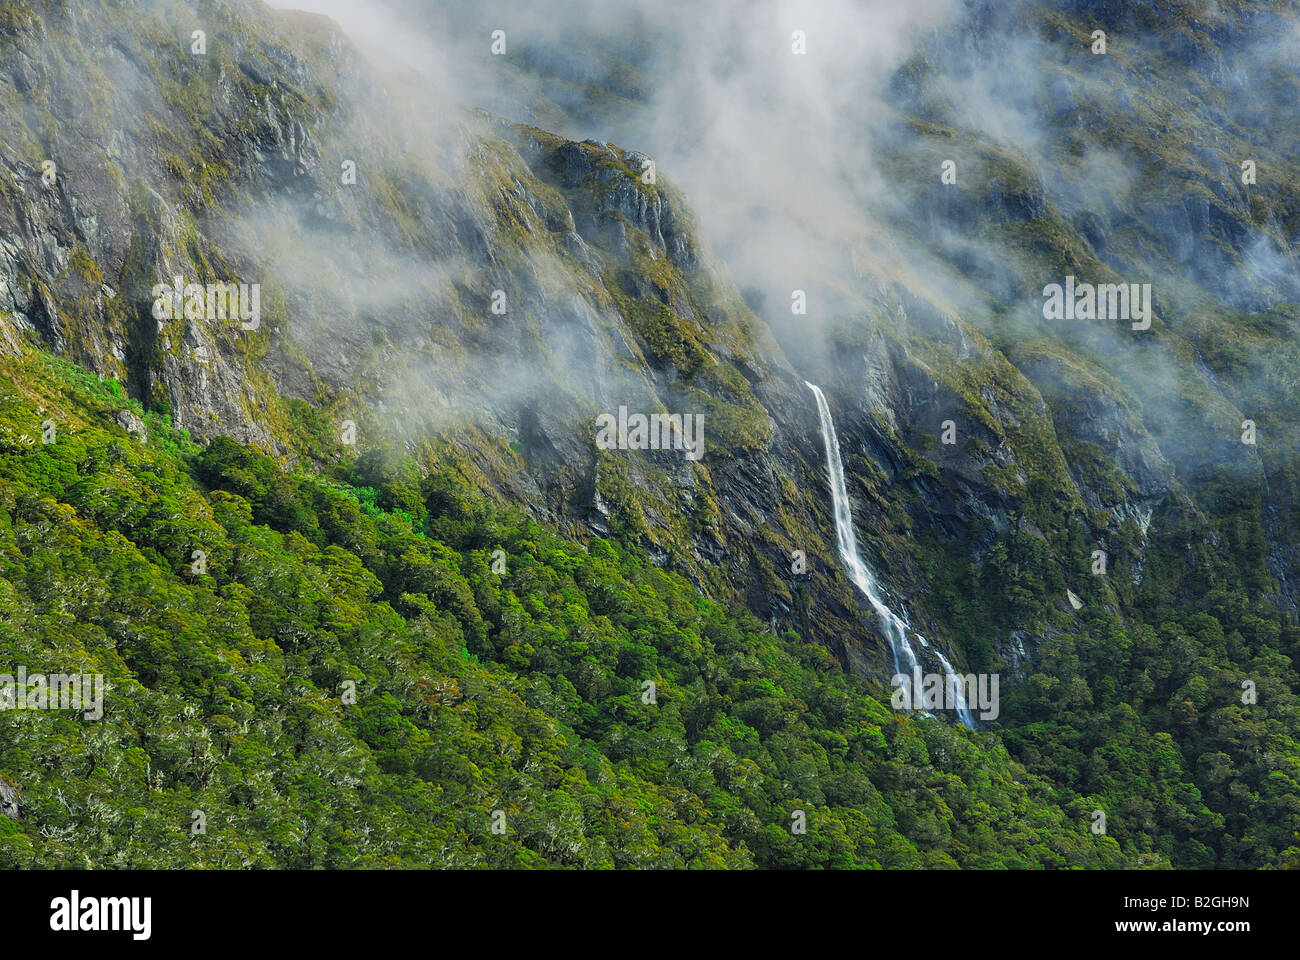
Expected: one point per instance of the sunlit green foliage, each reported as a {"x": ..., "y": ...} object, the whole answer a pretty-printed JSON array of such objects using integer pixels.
[{"x": 475, "y": 690}]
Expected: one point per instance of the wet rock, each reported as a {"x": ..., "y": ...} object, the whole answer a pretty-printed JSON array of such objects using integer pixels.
[
  {"x": 130, "y": 421},
  {"x": 8, "y": 799}
]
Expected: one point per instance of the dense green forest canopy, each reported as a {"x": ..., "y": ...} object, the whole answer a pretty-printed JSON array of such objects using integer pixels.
[{"x": 351, "y": 681}]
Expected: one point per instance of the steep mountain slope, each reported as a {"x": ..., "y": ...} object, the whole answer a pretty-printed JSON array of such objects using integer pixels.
[
  {"x": 1165, "y": 156},
  {"x": 351, "y": 681},
  {"x": 451, "y": 294},
  {"x": 231, "y": 166},
  {"x": 378, "y": 295}
]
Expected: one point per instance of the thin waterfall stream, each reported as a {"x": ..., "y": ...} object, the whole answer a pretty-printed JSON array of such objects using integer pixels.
[{"x": 895, "y": 624}]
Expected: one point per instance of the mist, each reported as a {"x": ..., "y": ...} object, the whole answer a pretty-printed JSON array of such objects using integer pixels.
[{"x": 809, "y": 170}]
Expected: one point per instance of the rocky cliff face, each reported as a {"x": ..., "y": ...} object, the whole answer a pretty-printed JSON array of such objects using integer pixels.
[
  {"x": 474, "y": 289},
  {"x": 8, "y": 800},
  {"x": 479, "y": 291}
]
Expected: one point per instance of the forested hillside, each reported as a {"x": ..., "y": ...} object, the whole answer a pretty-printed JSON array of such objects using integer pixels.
[
  {"x": 524, "y": 691},
  {"x": 369, "y": 589}
]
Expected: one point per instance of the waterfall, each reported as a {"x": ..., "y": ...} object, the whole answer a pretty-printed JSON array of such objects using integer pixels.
[
  {"x": 963, "y": 709},
  {"x": 896, "y": 625}
]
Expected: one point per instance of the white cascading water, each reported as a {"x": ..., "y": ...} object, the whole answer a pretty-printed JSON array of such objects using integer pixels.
[
  {"x": 896, "y": 626},
  {"x": 963, "y": 708}
]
